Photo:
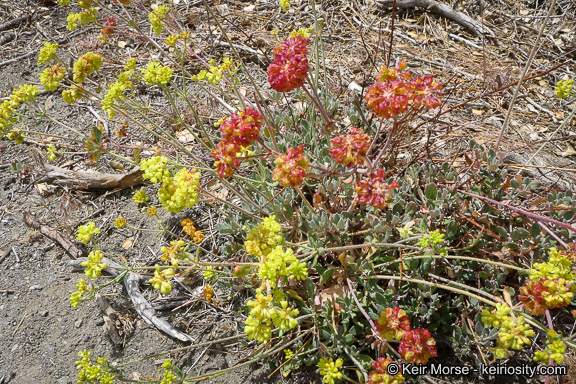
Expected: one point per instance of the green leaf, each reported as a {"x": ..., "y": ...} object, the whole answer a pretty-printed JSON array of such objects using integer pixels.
[
  {"x": 349, "y": 339},
  {"x": 535, "y": 230},
  {"x": 451, "y": 229},
  {"x": 519, "y": 233},
  {"x": 97, "y": 135},
  {"x": 431, "y": 191},
  {"x": 326, "y": 275},
  {"x": 310, "y": 287}
]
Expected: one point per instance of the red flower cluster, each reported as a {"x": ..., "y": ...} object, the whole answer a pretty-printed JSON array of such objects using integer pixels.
[
  {"x": 538, "y": 296},
  {"x": 417, "y": 346},
  {"x": 290, "y": 66},
  {"x": 291, "y": 167},
  {"x": 240, "y": 131},
  {"x": 396, "y": 92},
  {"x": 379, "y": 373},
  {"x": 393, "y": 323},
  {"x": 350, "y": 149},
  {"x": 374, "y": 191},
  {"x": 109, "y": 26}
]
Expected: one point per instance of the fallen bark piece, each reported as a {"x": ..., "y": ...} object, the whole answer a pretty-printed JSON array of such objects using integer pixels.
[
  {"x": 90, "y": 179},
  {"x": 31, "y": 221},
  {"x": 442, "y": 10},
  {"x": 132, "y": 282},
  {"x": 109, "y": 315}
]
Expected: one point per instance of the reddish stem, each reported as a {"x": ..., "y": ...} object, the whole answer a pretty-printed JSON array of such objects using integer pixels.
[{"x": 522, "y": 211}]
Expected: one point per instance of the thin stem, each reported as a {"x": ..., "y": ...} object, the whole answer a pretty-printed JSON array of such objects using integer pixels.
[
  {"x": 455, "y": 258},
  {"x": 316, "y": 101},
  {"x": 529, "y": 214},
  {"x": 441, "y": 286}
]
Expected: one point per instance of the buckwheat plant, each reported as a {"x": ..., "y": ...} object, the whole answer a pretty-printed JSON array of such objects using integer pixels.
[{"x": 330, "y": 239}]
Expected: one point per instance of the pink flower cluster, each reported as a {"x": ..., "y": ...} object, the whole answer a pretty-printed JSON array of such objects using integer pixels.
[
  {"x": 240, "y": 131},
  {"x": 373, "y": 190},
  {"x": 416, "y": 345},
  {"x": 291, "y": 167},
  {"x": 290, "y": 66},
  {"x": 350, "y": 149},
  {"x": 397, "y": 92}
]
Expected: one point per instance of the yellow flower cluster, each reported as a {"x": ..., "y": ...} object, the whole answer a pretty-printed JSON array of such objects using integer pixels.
[
  {"x": 180, "y": 191},
  {"x": 116, "y": 91},
  {"x": 76, "y": 297},
  {"x": 91, "y": 373},
  {"x": 120, "y": 222},
  {"x": 208, "y": 293},
  {"x": 155, "y": 169},
  {"x": 19, "y": 96},
  {"x": 329, "y": 370},
  {"x": 281, "y": 263},
  {"x": 303, "y": 32},
  {"x": 85, "y": 65},
  {"x": 51, "y": 152},
  {"x": 216, "y": 73},
  {"x": 73, "y": 94},
  {"x": 190, "y": 230},
  {"x": 158, "y": 14},
  {"x": 141, "y": 197},
  {"x": 554, "y": 350},
  {"x": 47, "y": 53},
  {"x": 512, "y": 334},
  {"x": 173, "y": 253},
  {"x": 262, "y": 239},
  {"x": 87, "y": 232},
  {"x": 559, "y": 266},
  {"x": 160, "y": 280},
  {"x": 93, "y": 265},
  {"x": 157, "y": 74},
  {"x": 83, "y": 18},
  {"x": 264, "y": 313}
]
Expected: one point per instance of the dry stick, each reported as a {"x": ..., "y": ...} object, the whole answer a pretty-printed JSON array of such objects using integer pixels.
[
  {"x": 442, "y": 10},
  {"x": 522, "y": 211},
  {"x": 392, "y": 16},
  {"x": 4, "y": 255},
  {"x": 524, "y": 73}
]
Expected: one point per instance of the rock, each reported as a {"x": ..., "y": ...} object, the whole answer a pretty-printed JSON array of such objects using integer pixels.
[
  {"x": 99, "y": 322},
  {"x": 43, "y": 313},
  {"x": 36, "y": 288},
  {"x": 63, "y": 380},
  {"x": 78, "y": 323}
]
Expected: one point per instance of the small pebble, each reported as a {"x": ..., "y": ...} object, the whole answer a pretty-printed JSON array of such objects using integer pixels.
[
  {"x": 43, "y": 313},
  {"x": 36, "y": 288},
  {"x": 99, "y": 322},
  {"x": 78, "y": 323}
]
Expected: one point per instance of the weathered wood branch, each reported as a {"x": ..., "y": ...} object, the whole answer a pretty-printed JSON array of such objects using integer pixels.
[
  {"x": 85, "y": 179},
  {"x": 31, "y": 221},
  {"x": 132, "y": 283},
  {"x": 442, "y": 10},
  {"x": 90, "y": 179}
]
